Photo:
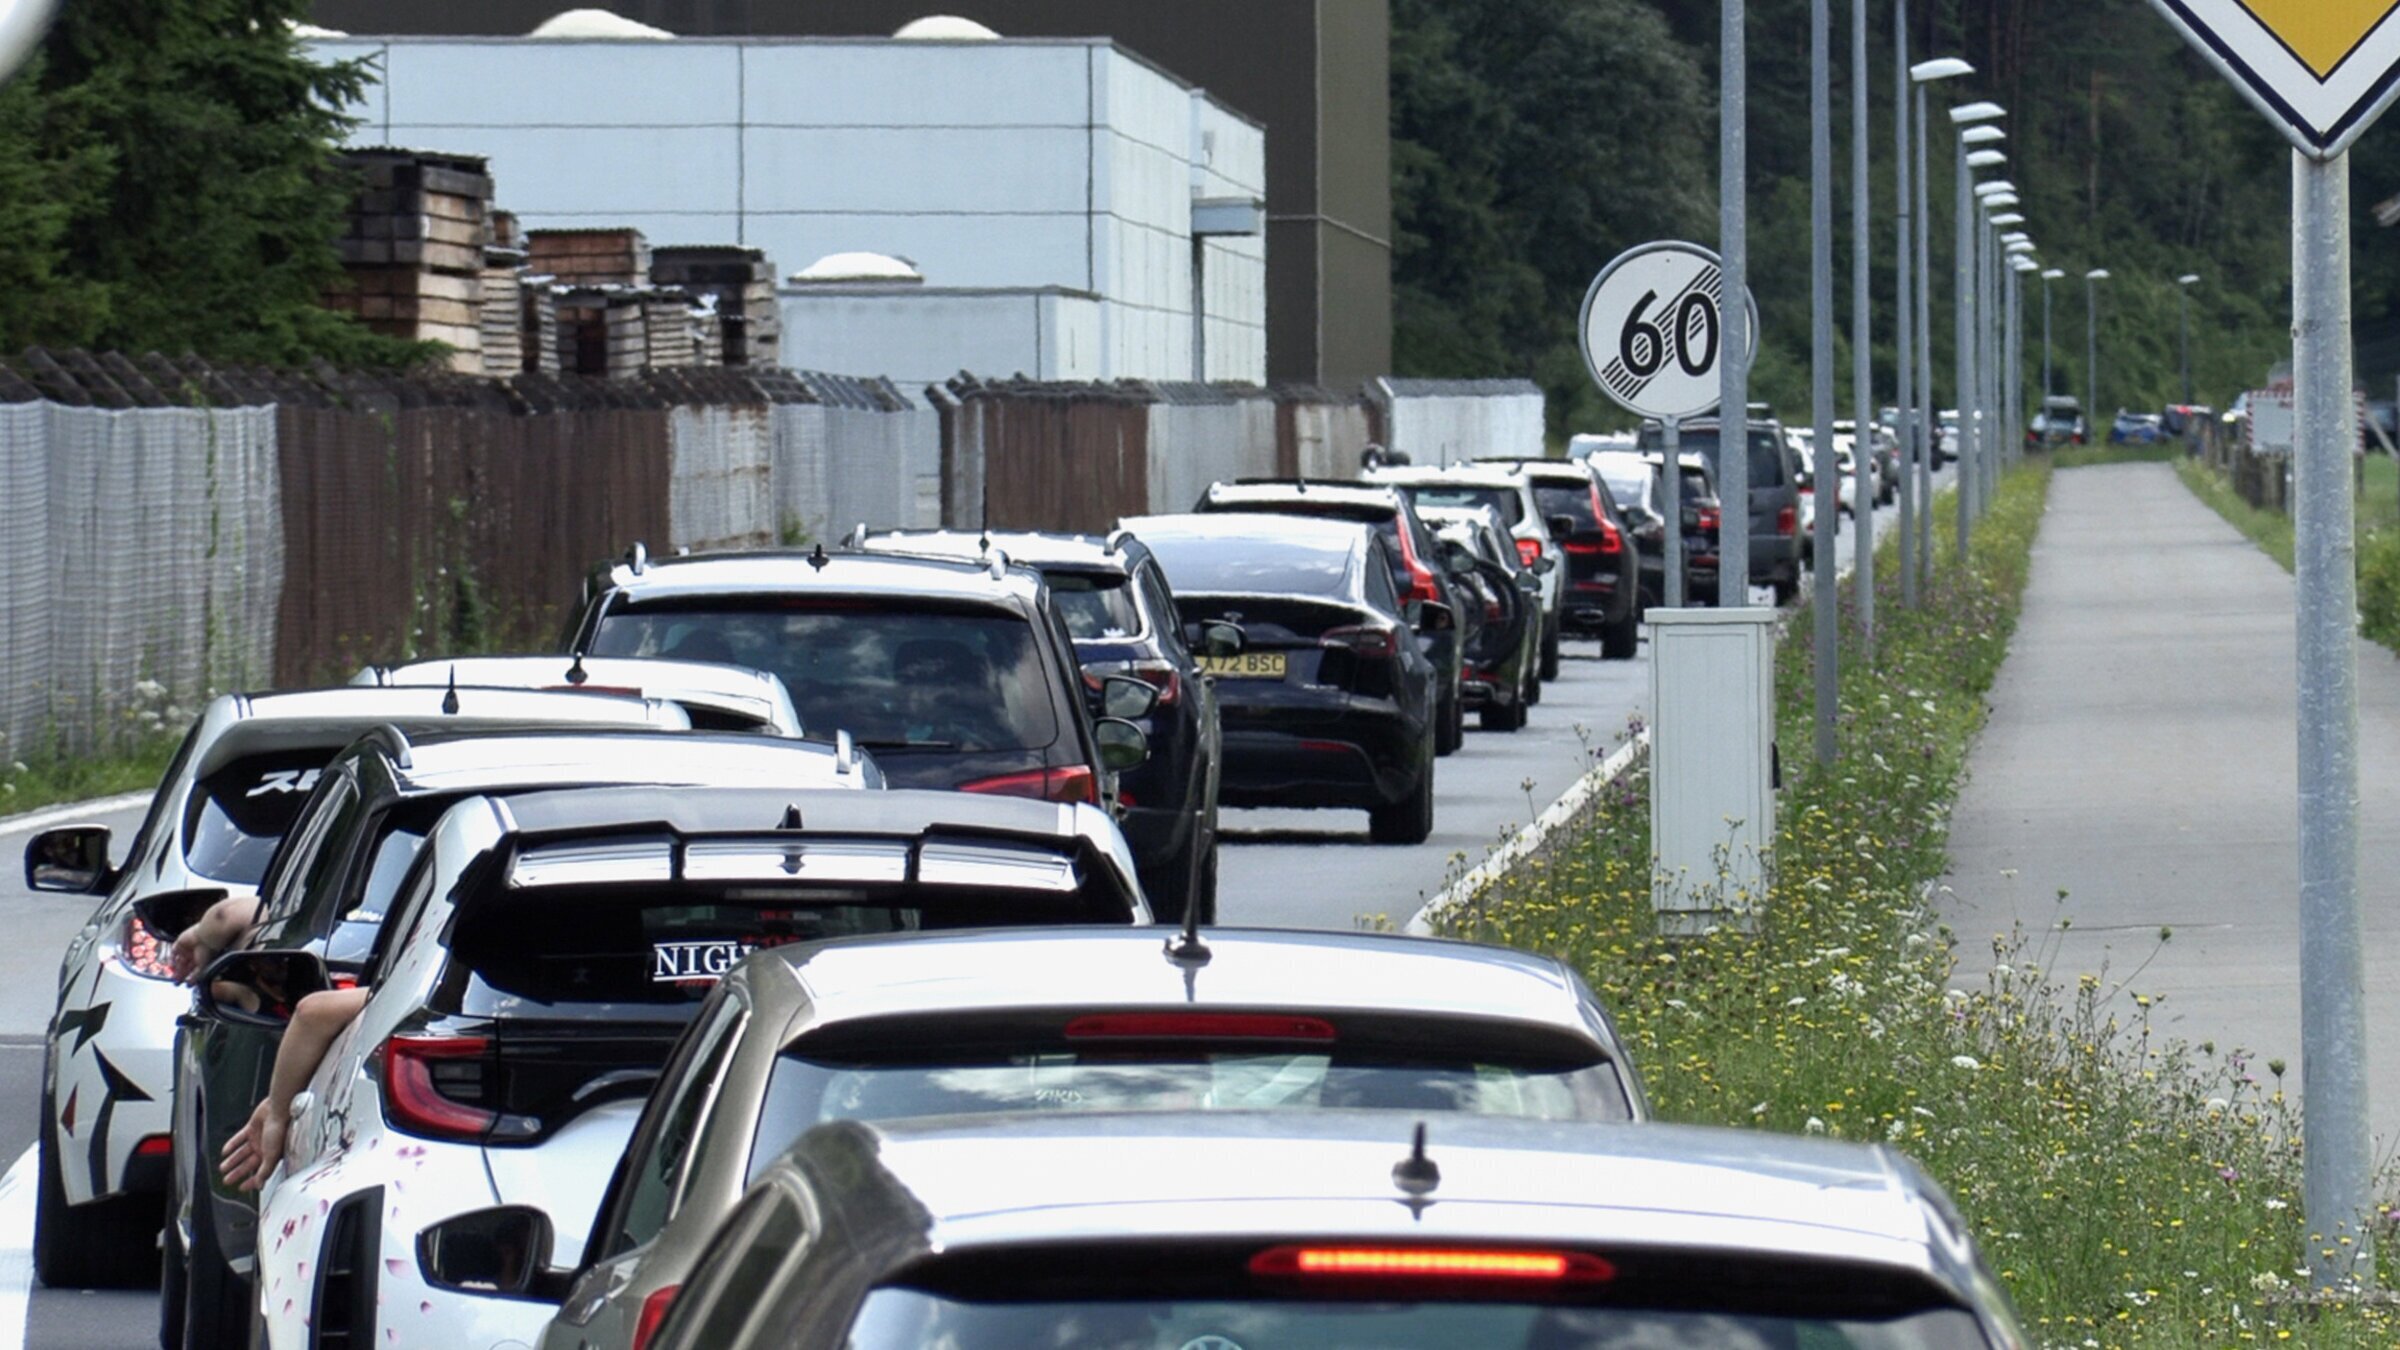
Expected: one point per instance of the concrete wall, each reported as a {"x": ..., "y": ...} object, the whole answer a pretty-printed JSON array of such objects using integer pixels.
[{"x": 1018, "y": 165}]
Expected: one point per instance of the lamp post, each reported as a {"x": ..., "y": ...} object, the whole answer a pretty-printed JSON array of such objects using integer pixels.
[
  {"x": 2049, "y": 274},
  {"x": 1923, "y": 425},
  {"x": 2183, "y": 293},
  {"x": 2091, "y": 346}
]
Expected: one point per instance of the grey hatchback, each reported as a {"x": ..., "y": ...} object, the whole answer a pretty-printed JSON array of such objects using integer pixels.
[
  {"x": 1337, "y": 1231},
  {"x": 1072, "y": 1022}
]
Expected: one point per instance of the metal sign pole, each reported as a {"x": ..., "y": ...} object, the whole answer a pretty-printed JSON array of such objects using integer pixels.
[
  {"x": 1904, "y": 399},
  {"x": 1862, "y": 352},
  {"x": 1733, "y": 245},
  {"x": 2336, "y": 1156},
  {"x": 1824, "y": 471},
  {"x": 1671, "y": 476}
]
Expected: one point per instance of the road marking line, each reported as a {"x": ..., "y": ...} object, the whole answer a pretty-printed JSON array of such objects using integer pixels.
[
  {"x": 74, "y": 812},
  {"x": 16, "y": 1249},
  {"x": 1526, "y": 840}
]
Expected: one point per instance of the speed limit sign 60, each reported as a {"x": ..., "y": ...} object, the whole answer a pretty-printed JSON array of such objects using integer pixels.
[{"x": 1653, "y": 329}]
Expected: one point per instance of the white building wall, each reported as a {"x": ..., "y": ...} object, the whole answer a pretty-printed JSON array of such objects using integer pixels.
[{"x": 1015, "y": 165}]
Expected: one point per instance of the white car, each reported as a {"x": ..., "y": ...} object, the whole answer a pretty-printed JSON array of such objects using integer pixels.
[
  {"x": 1512, "y": 496},
  {"x": 219, "y": 813},
  {"x": 545, "y": 955}
]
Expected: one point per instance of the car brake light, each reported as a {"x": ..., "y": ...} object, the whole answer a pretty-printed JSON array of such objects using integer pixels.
[
  {"x": 1529, "y": 551},
  {"x": 654, "y": 1311},
  {"x": 413, "y": 1071},
  {"x": 1432, "y": 1263},
  {"x": 1787, "y": 521},
  {"x": 1068, "y": 783},
  {"x": 1368, "y": 640},
  {"x": 144, "y": 952},
  {"x": 1198, "y": 1026}
]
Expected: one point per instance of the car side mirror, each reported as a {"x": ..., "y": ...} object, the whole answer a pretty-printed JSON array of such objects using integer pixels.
[
  {"x": 259, "y": 988},
  {"x": 1123, "y": 745},
  {"x": 1561, "y": 526},
  {"x": 1216, "y": 638},
  {"x": 503, "y": 1251},
  {"x": 70, "y": 860},
  {"x": 168, "y": 913},
  {"x": 1126, "y": 697}
]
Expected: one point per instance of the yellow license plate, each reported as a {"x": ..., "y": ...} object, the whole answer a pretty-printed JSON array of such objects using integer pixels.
[{"x": 1244, "y": 666}]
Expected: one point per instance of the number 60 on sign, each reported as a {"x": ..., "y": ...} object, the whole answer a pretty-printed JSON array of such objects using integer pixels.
[{"x": 1653, "y": 330}]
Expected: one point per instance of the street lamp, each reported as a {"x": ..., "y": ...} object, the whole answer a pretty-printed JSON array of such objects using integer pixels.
[
  {"x": 2048, "y": 275},
  {"x": 1966, "y": 119},
  {"x": 1926, "y": 429},
  {"x": 2183, "y": 293},
  {"x": 2091, "y": 344}
]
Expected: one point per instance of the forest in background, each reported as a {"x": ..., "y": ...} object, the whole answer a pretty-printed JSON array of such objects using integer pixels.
[{"x": 1536, "y": 139}]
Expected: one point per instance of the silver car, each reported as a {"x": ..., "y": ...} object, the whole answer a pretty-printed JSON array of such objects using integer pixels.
[
  {"x": 1073, "y": 1022},
  {"x": 1336, "y": 1230},
  {"x": 718, "y": 697}
]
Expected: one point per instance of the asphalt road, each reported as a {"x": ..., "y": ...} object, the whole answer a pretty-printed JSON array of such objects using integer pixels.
[{"x": 1282, "y": 868}]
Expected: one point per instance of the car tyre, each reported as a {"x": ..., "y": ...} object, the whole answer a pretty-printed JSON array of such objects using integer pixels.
[
  {"x": 216, "y": 1304},
  {"x": 1620, "y": 641},
  {"x": 106, "y": 1244},
  {"x": 1550, "y": 643},
  {"x": 1408, "y": 820},
  {"x": 1450, "y": 732}
]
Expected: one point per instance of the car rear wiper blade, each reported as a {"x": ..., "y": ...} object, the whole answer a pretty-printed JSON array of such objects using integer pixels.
[{"x": 908, "y": 745}]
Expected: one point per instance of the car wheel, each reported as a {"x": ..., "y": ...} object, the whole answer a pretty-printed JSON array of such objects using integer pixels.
[
  {"x": 1450, "y": 730},
  {"x": 216, "y": 1303},
  {"x": 1621, "y": 640},
  {"x": 106, "y": 1244},
  {"x": 1498, "y": 716},
  {"x": 1408, "y": 820},
  {"x": 1550, "y": 653}
]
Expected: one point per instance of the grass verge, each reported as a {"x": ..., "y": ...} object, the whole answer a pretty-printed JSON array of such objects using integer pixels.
[{"x": 2131, "y": 1192}]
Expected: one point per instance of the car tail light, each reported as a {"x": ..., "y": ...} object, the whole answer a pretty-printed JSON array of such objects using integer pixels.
[
  {"x": 1787, "y": 521},
  {"x": 1067, "y": 783},
  {"x": 1368, "y": 640},
  {"x": 1507, "y": 1264},
  {"x": 1529, "y": 551},
  {"x": 1198, "y": 1026},
  {"x": 654, "y": 1311},
  {"x": 422, "y": 1077},
  {"x": 145, "y": 952}
]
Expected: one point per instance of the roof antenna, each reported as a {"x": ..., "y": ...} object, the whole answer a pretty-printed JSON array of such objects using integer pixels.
[
  {"x": 818, "y": 559},
  {"x": 1416, "y": 1175},
  {"x": 1185, "y": 948},
  {"x": 450, "y": 699},
  {"x": 576, "y": 674}
]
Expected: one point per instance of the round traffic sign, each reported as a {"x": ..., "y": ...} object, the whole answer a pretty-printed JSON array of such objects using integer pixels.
[{"x": 1653, "y": 330}]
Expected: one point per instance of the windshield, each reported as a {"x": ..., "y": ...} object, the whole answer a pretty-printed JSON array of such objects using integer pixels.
[
  {"x": 1095, "y": 605},
  {"x": 891, "y": 1319},
  {"x": 803, "y": 1092},
  {"x": 1506, "y": 501},
  {"x": 237, "y": 815},
  {"x": 937, "y": 679}
]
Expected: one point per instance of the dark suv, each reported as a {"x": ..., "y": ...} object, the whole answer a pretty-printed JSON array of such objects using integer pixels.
[
  {"x": 957, "y": 675},
  {"x": 352, "y": 843},
  {"x": 1121, "y": 614},
  {"x": 1774, "y": 496},
  {"x": 1417, "y": 572}
]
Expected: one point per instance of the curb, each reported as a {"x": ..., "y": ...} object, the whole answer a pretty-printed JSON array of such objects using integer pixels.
[
  {"x": 74, "y": 811},
  {"x": 1525, "y": 841}
]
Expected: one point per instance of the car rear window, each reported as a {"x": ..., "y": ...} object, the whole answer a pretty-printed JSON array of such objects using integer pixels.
[
  {"x": 892, "y": 1318},
  {"x": 1096, "y": 605},
  {"x": 1506, "y": 501},
  {"x": 967, "y": 680},
  {"x": 1254, "y": 565},
  {"x": 237, "y": 815}
]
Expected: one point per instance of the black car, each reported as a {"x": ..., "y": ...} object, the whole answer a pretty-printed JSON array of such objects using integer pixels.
[
  {"x": 1328, "y": 702},
  {"x": 1604, "y": 574},
  {"x": 1121, "y": 615},
  {"x": 1774, "y": 495},
  {"x": 1417, "y": 573},
  {"x": 957, "y": 675},
  {"x": 352, "y": 843},
  {"x": 1637, "y": 483}
]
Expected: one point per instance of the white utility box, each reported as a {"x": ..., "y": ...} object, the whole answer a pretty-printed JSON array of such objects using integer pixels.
[{"x": 1712, "y": 764}]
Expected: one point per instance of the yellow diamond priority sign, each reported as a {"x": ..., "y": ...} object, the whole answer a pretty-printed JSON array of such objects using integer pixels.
[{"x": 2323, "y": 70}]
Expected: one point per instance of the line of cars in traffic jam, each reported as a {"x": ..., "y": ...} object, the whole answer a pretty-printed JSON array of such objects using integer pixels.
[{"x": 819, "y": 949}]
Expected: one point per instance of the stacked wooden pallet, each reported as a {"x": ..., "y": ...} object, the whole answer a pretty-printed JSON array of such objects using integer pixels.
[
  {"x": 742, "y": 283},
  {"x": 413, "y": 252}
]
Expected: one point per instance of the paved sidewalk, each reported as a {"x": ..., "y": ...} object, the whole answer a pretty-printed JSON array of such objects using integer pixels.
[{"x": 2141, "y": 755}]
